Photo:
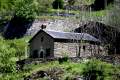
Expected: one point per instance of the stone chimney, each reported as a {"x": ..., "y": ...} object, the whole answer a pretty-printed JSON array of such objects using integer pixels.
[{"x": 43, "y": 26}]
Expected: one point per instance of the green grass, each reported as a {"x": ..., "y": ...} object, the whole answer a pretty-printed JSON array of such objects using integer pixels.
[
  {"x": 71, "y": 69},
  {"x": 79, "y": 15}
]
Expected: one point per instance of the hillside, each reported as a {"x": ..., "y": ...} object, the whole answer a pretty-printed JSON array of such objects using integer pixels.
[{"x": 20, "y": 20}]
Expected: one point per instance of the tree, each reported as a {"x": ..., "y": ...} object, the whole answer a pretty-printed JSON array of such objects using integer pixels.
[
  {"x": 24, "y": 15},
  {"x": 6, "y": 6},
  {"x": 113, "y": 14},
  {"x": 6, "y": 10},
  {"x": 100, "y": 4},
  {"x": 71, "y": 2},
  {"x": 58, "y": 4},
  {"x": 43, "y": 5},
  {"x": 114, "y": 20}
]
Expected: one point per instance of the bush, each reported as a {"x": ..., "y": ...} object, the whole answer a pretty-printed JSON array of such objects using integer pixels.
[
  {"x": 97, "y": 70},
  {"x": 10, "y": 50},
  {"x": 71, "y": 2},
  {"x": 64, "y": 59},
  {"x": 58, "y": 4},
  {"x": 25, "y": 9},
  {"x": 9, "y": 67}
]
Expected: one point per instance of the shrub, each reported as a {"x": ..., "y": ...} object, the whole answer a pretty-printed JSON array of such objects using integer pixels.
[
  {"x": 97, "y": 70},
  {"x": 71, "y": 2},
  {"x": 9, "y": 67},
  {"x": 64, "y": 59},
  {"x": 9, "y": 51},
  {"x": 58, "y": 4}
]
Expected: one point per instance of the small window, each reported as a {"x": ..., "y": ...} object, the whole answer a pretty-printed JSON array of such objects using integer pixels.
[
  {"x": 48, "y": 52},
  {"x": 42, "y": 38},
  {"x": 84, "y": 47}
]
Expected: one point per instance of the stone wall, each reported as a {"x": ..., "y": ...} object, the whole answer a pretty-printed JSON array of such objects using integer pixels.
[
  {"x": 41, "y": 43},
  {"x": 73, "y": 49},
  {"x": 56, "y": 25}
]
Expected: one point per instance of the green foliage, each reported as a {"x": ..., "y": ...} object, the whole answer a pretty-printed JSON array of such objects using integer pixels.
[
  {"x": 92, "y": 71},
  {"x": 71, "y": 2},
  {"x": 6, "y": 6},
  {"x": 8, "y": 67},
  {"x": 97, "y": 70},
  {"x": 25, "y": 9},
  {"x": 64, "y": 59},
  {"x": 43, "y": 6},
  {"x": 113, "y": 16},
  {"x": 70, "y": 70},
  {"x": 58, "y": 4},
  {"x": 84, "y": 2},
  {"x": 9, "y": 51}
]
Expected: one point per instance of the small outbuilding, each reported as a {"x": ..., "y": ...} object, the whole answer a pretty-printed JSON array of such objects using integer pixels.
[{"x": 50, "y": 44}]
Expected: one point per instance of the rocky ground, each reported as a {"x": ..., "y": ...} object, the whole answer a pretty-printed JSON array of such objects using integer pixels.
[
  {"x": 66, "y": 25},
  {"x": 57, "y": 25}
]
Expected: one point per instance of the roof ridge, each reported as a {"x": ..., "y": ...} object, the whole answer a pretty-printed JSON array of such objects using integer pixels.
[
  {"x": 64, "y": 32},
  {"x": 69, "y": 35}
]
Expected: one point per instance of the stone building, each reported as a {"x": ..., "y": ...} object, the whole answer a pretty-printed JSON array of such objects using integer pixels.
[{"x": 50, "y": 44}]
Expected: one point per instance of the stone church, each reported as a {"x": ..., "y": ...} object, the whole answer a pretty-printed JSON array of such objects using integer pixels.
[{"x": 50, "y": 44}]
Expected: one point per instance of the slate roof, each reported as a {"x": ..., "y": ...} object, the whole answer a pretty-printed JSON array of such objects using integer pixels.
[{"x": 69, "y": 36}]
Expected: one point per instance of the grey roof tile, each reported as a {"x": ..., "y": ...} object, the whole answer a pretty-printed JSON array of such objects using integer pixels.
[
  {"x": 69, "y": 36},
  {"x": 72, "y": 35}
]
